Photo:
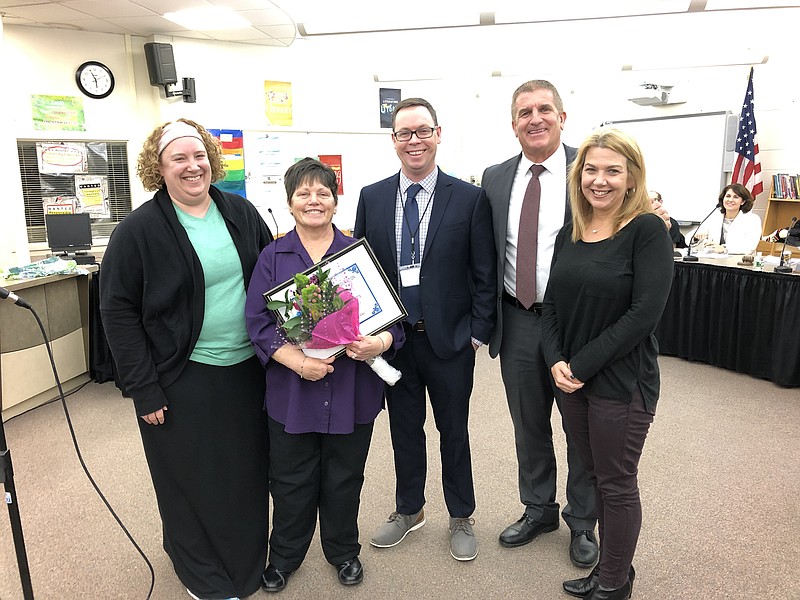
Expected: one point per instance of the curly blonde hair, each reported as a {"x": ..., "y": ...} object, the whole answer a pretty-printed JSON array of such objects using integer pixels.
[
  {"x": 147, "y": 166},
  {"x": 637, "y": 200}
]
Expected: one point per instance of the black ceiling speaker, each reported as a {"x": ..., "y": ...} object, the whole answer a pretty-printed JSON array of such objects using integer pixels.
[{"x": 160, "y": 63}]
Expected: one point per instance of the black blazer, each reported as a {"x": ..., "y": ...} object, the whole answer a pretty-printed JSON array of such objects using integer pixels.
[
  {"x": 458, "y": 275},
  {"x": 497, "y": 182}
]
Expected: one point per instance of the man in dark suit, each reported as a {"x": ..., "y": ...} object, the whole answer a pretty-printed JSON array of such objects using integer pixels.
[
  {"x": 524, "y": 262},
  {"x": 432, "y": 235}
]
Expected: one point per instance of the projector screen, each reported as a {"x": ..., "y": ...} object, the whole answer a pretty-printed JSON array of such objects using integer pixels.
[{"x": 684, "y": 157}]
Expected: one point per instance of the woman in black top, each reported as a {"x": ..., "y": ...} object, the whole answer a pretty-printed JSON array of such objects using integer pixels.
[{"x": 609, "y": 282}]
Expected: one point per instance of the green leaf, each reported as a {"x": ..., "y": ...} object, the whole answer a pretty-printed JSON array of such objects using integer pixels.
[{"x": 292, "y": 323}]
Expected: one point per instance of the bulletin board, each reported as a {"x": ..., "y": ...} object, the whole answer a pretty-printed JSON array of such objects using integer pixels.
[
  {"x": 365, "y": 159},
  {"x": 686, "y": 158}
]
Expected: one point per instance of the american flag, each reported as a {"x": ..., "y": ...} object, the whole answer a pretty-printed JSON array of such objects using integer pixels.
[{"x": 747, "y": 169}]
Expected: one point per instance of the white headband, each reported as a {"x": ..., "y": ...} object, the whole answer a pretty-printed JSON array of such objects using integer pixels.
[{"x": 175, "y": 130}]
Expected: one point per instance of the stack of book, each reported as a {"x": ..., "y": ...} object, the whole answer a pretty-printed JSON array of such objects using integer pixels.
[{"x": 786, "y": 186}]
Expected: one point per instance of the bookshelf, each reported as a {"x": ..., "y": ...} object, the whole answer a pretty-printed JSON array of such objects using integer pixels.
[{"x": 782, "y": 205}]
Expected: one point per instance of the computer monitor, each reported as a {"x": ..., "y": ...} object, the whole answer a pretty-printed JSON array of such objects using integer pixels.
[{"x": 69, "y": 234}]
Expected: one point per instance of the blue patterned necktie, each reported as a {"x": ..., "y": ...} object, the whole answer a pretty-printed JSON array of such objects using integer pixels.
[{"x": 410, "y": 295}]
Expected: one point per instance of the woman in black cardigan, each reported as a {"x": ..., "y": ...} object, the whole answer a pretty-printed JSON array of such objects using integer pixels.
[{"x": 173, "y": 285}]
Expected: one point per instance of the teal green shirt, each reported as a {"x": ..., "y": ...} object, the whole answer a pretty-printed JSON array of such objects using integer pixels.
[{"x": 223, "y": 339}]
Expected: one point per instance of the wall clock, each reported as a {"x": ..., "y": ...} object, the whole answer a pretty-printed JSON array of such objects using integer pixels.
[{"x": 95, "y": 79}]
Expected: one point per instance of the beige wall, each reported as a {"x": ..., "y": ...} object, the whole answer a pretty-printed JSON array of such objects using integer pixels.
[{"x": 334, "y": 90}]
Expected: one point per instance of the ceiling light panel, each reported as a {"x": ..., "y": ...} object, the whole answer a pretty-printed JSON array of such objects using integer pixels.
[
  {"x": 740, "y": 4},
  {"x": 325, "y": 17},
  {"x": 524, "y": 12},
  {"x": 208, "y": 19}
]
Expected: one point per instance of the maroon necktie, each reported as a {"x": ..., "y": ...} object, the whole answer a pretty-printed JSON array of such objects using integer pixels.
[{"x": 528, "y": 239}]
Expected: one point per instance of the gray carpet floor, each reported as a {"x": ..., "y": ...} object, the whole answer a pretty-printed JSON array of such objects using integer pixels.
[{"x": 720, "y": 481}]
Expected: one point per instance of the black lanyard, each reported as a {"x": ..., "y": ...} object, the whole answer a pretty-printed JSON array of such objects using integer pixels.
[{"x": 419, "y": 223}]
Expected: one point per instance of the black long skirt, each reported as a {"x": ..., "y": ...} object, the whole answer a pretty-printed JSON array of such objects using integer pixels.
[{"x": 209, "y": 464}]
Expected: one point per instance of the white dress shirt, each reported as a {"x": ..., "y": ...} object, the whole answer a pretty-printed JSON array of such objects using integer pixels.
[{"x": 551, "y": 218}]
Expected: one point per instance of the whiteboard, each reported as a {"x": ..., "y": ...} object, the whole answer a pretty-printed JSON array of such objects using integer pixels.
[
  {"x": 366, "y": 158},
  {"x": 684, "y": 158}
]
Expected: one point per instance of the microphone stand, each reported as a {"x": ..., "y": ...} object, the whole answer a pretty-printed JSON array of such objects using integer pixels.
[
  {"x": 7, "y": 475},
  {"x": 7, "y": 479},
  {"x": 782, "y": 268},
  {"x": 689, "y": 257},
  {"x": 274, "y": 220}
]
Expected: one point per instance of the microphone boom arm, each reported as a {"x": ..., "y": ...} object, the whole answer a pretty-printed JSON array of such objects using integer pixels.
[
  {"x": 689, "y": 257},
  {"x": 782, "y": 268}
]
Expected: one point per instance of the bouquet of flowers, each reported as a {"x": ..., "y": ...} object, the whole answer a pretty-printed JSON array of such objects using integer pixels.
[{"x": 320, "y": 315}]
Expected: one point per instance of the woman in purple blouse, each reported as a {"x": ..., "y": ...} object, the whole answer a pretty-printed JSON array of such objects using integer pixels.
[{"x": 320, "y": 411}]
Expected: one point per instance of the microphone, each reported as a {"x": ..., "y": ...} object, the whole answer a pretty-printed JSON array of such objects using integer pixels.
[
  {"x": 689, "y": 257},
  {"x": 782, "y": 268},
  {"x": 274, "y": 220},
  {"x": 4, "y": 293}
]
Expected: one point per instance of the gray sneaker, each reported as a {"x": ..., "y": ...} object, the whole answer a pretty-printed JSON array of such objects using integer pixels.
[
  {"x": 463, "y": 545},
  {"x": 397, "y": 528}
]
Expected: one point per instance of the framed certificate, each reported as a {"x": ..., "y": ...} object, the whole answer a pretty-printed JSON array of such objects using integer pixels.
[{"x": 355, "y": 269}]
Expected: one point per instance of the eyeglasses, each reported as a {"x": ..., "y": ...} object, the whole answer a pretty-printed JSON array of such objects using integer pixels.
[{"x": 423, "y": 133}]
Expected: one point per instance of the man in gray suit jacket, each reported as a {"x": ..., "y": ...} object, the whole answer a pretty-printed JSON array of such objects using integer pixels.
[
  {"x": 537, "y": 118},
  {"x": 432, "y": 235}
]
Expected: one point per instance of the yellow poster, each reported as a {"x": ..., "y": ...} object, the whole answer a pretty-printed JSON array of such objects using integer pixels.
[{"x": 278, "y": 102}]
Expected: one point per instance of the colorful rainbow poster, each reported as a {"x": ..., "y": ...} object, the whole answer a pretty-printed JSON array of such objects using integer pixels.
[{"x": 232, "y": 142}]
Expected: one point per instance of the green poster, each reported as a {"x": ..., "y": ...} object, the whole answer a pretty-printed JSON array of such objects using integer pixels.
[{"x": 63, "y": 113}]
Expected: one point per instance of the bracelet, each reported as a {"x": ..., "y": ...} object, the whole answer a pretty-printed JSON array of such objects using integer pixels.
[
  {"x": 302, "y": 366},
  {"x": 383, "y": 344}
]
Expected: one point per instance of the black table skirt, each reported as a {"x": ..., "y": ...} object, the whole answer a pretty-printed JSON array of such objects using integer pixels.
[
  {"x": 734, "y": 318},
  {"x": 101, "y": 364}
]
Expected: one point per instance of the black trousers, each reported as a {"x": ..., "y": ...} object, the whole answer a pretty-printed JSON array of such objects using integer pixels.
[
  {"x": 610, "y": 433},
  {"x": 209, "y": 464},
  {"x": 449, "y": 385},
  {"x": 312, "y": 472}
]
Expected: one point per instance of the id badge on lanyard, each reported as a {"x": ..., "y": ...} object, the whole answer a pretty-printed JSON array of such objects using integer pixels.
[{"x": 409, "y": 275}]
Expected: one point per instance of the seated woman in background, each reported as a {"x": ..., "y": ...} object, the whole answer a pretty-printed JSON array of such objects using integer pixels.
[{"x": 735, "y": 229}]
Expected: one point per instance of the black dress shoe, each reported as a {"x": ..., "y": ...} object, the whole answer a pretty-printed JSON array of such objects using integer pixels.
[
  {"x": 583, "y": 549},
  {"x": 273, "y": 579},
  {"x": 524, "y": 531},
  {"x": 351, "y": 572},
  {"x": 581, "y": 588},
  {"x": 622, "y": 593}
]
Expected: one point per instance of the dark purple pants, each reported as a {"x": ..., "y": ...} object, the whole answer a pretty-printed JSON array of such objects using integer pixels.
[{"x": 609, "y": 434}]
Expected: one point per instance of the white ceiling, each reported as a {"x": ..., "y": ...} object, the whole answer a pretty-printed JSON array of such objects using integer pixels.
[
  {"x": 271, "y": 25},
  {"x": 277, "y": 22}
]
